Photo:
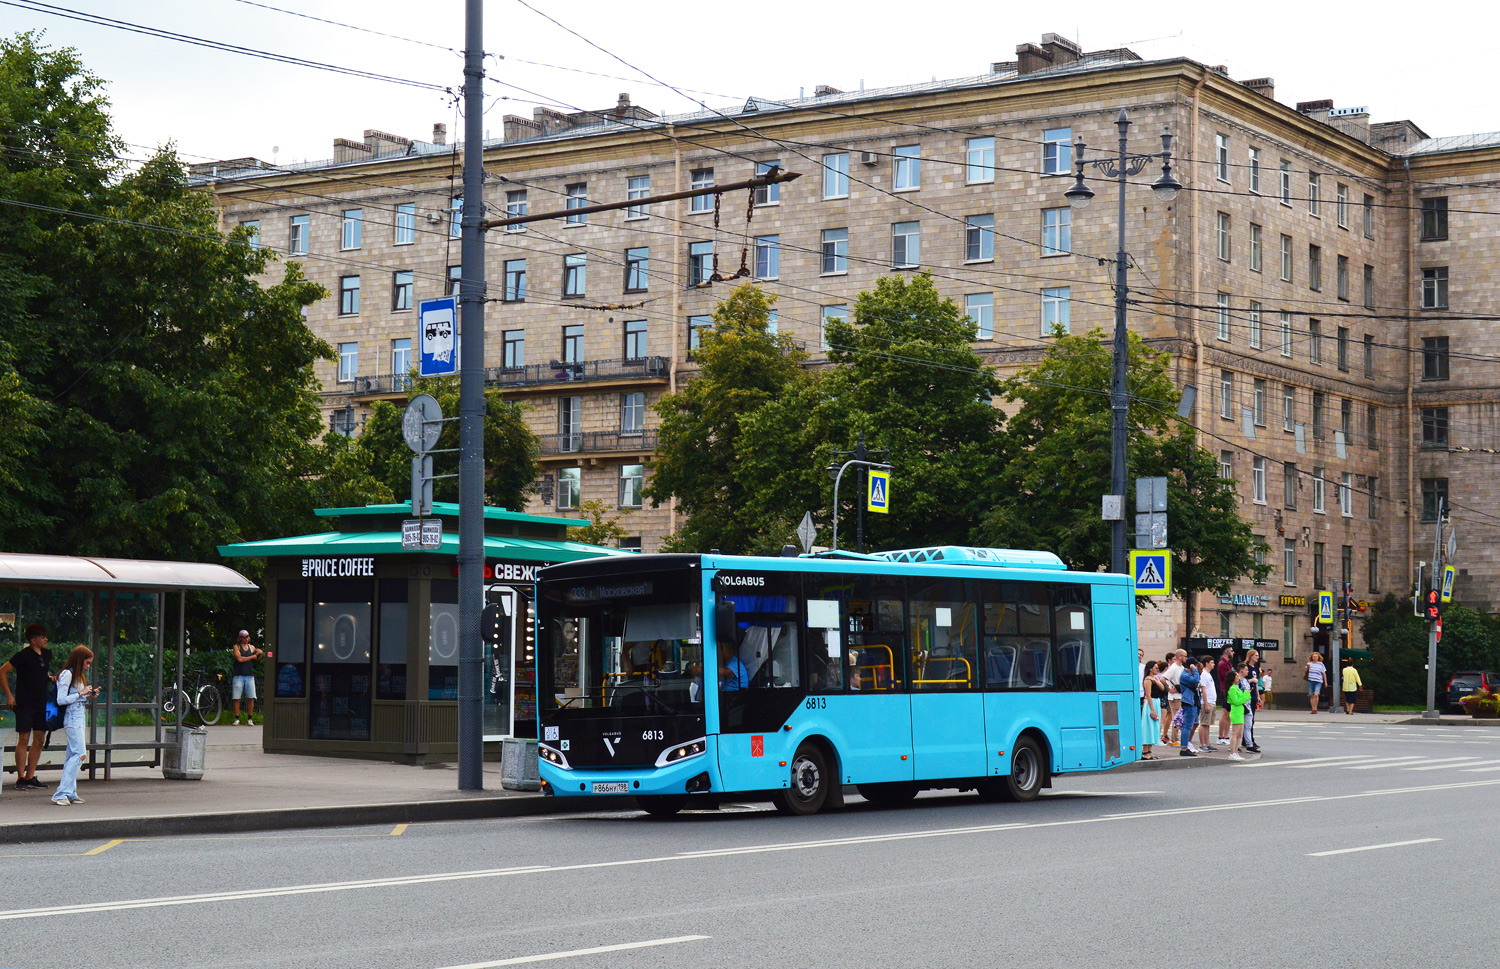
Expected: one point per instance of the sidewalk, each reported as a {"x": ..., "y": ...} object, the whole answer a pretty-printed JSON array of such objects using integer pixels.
[{"x": 246, "y": 789}]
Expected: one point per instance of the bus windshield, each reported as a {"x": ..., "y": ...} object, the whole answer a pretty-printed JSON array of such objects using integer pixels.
[{"x": 623, "y": 646}]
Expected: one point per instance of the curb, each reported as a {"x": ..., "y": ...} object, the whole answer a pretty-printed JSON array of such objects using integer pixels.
[
  {"x": 239, "y": 822},
  {"x": 1449, "y": 722}
]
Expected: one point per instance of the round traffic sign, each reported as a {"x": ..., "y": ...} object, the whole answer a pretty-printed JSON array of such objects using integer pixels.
[{"x": 421, "y": 424}]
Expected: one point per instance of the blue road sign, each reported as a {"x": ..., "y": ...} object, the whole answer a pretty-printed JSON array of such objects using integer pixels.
[
  {"x": 1448, "y": 572},
  {"x": 437, "y": 337},
  {"x": 1325, "y": 608},
  {"x": 1152, "y": 572},
  {"x": 879, "y": 498}
]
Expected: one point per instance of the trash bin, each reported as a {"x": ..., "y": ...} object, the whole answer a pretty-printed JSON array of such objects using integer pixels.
[
  {"x": 518, "y": 767},
  {"x": 185, "y": 753}
]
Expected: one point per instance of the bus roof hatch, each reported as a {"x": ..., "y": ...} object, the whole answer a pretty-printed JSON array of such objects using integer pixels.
[{"x": 963, "y": 555}]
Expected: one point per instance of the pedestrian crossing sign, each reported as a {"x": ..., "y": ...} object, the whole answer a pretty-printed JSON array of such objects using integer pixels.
[
  {"x": 1325, "y": 608},
  {"x": 1152, "y": 572},
  {"x": 879, "y": 498},
  {"x": 1448, "y": 571}
]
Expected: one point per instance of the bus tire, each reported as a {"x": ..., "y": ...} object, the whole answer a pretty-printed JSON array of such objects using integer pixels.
[
  {"x": 661, "y": 805},
  {"x": 888, "y": 795},
  {"x": 1027, "y": 774},
  {"x": 808, "y": 788}
]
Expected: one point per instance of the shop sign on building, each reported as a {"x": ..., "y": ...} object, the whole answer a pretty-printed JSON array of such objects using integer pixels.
[{"x": 1259, "y": 602}]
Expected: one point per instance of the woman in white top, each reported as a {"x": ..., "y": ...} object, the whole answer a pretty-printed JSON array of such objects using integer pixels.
[
  {"x": 73, "y": 692},
  {"x": 1316, "y": 673}
]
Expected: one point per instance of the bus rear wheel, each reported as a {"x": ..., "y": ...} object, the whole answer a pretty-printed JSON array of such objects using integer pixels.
[
  {"x": 1027, "y": 772},
  {"x": 888, "y": 795},
  {"x": 661, "y": 805},
  {"x": 808, "y": 788}
]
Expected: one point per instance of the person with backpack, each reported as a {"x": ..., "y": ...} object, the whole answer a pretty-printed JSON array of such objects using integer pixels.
[
  {"x": 73, "y": 692},
  {"x": 33, "y": 686}
]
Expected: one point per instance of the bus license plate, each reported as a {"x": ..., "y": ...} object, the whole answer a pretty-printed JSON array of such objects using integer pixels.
[{"x": 611, "y": 787}]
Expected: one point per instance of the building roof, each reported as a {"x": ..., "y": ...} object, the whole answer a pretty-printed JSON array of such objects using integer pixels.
[
  {"x": 80, "y": 572},
  {"x": 1433, "y": 146}
]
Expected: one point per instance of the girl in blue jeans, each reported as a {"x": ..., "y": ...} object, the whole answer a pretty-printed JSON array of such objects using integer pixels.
[{"x": 73, "y": 692}]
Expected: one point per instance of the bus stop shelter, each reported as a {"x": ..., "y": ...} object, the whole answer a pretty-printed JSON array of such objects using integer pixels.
[{"x": 116, "y": 607}]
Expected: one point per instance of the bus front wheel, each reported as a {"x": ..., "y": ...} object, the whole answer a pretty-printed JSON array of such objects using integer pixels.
[
  {"x": 808, "y": 788},
  {"x": 1027, "y": 772},
  {"x": 661, "y": 805}
]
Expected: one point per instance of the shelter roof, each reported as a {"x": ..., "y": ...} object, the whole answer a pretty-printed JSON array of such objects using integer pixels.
[{"x": 17, "y": 568}]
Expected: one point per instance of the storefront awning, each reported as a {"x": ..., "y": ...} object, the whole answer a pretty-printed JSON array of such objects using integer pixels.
[{"x": 81, "y": 572}]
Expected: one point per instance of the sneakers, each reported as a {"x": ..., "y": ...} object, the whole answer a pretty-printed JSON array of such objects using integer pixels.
[
  {"x": 1235, "y": 757},
  {"x": 1186, "y": 753},
  {"x": 1254, "y": 750},
  {"x": 1224, "y": 741},
  {"x": 28, "y": 784},
  {"x": 62, "y": 802},
  {"x": 77, "y": 800},
  {"x": 236, "y": 721}
]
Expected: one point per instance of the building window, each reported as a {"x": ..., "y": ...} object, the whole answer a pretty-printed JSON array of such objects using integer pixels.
[
  {"x": 767, "y": 257},
  {"x": 1346, "y": 417},
  {"x": 1289, "y": 569},
  {"x": 515, "y": 207},
  {"x": 1289, "y": 638},
  {"x": 1057, "y": 151},
  {"x": 1258, "y": 402},
  {"x": 1369, "y": 216},
  {"x": 835, "y": 251},
  {"x": 697, "y": 326},
  {"x": 1258, "y": 619},
  {"x": 1226, "y": 465},
  {"x": 1314, "y": 342},
  {"x": 1226, "y": 625},
  {"x": 1318, "y": 570},
  {"x": 635, "y": 339},
  {"x": 1343, "y": 277},
  {"x": 1341, "y": 341},
  {"x": 1226, "y": 394},
  {"x": 981, "y": 310},
  {"x": 569, "y": 485},
  {"x": 1258, "y": 480},
  {"x": 1314, "y": 195},
  {"x": 1369, "y": 355},
  {"x": 575, "y": 274},
  {"x": 455, "y": 279},
  {"x": 632, "y": 413},
  {"x": 700, "y": 262},
  {"x": 908, "y": 167},
  {"x": 1317, "y": 414},
  {"x": 252, "y": 233},
  {"x": 1288, "y": 408},
  {"x": 515, "y": 349},
  {"x": 401, "y": 357},
  {"x": 773, "y": 321},
  {"x": 569, "y": 424},
  {"x": 1315, "y": 268},
  {"x": 980, "y": 158},
  {"x": 297, "y": 244},
  {"x": 1221, "y": 157},
  {"x": 1255, "y": 170},
  {"x": 637, "y": 269},
  {"x": 1057, "y": 310},
  {"x": 1372, "y": 427},
  {"x": 632, "y": 480},
  {"x": 353, "y": 229},
  {"x": 703, "y": 178},
  {"x": 906, "y": 242},
  {"x": 1057, "y": 232},
  {"x": 1320, "y": 484},
  {"x": 1341, "y": 205},
  {"x": 839, "y": 311},
  {"x": 1289, "y": 486},
  {"x": 1223, "y": 236},
  {"x": 348, "y": 295},
  {"x": 979, "y": 238},
  {"x": 455, "y": 217},
  {"x": 1286, "y": 334},
  {"x": 836, "y": 176},
  {"x": 1435, "y": 218},
  {"x": 768, "y": 194},
  {"x": 515, "y": 280},
  {"x": 1286, "y": 182},
  {"x": 572, "y": 343},
  {"x": 1286, "y": 258},
  {"x": 637, "y": 187},
  {"x": 1221, "y": 308},
  {"x": 1434, "y": 427},
  {"x": 1258, "y": 543},
  {"x": 1369, "y": 287},
  {"x": 1346, "y": 494},
  {"x": 401, "y": 290},
  {"x": 1255, "y": 247},
  {"x": 1434, "y": 490},
  {"x": 348, "y": 361},
  {"x": 1373, "y": 567},
  {"x": 1254, "y": 324},
  {"x": 577, "y": 197},
  {"x": 1435, "y": 288},
  {"x": 1373, "y": 492},
  {"x": 406, "y": 224},
  {"x": 1434, "y": 358}
]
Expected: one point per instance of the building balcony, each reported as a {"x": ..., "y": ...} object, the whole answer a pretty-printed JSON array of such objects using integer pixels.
[
  {"x": 546, "y": 377},
  {"x": 597, "y": 444}
]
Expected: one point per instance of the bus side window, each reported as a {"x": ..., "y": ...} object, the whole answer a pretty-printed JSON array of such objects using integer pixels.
[
  {"x": 1073, "y": 620},
  {"x": 1017, "y": 636},
  {"x": 945, "y": 635},
  {"x": 825, "y": 646}
]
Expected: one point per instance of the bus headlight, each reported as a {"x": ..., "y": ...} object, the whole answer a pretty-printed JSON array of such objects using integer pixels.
[
  {"x": 552, "y": 756},
  {"x": 682, "y": 752}
]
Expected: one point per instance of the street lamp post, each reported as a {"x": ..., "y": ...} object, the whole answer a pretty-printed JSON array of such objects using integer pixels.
[{"x": 1166, "y": 188}]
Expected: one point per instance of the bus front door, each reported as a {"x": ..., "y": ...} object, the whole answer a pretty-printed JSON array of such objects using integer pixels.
[{"x": 948, "y": 734}]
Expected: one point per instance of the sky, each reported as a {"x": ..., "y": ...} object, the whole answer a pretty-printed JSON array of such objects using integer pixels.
[{"x": 211, "y": 104}]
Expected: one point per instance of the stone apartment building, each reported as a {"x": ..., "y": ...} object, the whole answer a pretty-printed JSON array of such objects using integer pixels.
[{"x": 1318, "y": 282}]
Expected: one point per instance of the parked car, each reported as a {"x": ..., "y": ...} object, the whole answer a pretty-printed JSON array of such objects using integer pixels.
[{"x": 1470, "y": 681}]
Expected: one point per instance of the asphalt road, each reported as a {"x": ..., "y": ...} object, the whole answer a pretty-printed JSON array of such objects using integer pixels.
[{"x": 1345, "y": 845}]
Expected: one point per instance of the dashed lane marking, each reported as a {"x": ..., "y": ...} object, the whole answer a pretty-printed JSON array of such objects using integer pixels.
[
  {"x": 1391, "y": 844},
  {"x": 573, "y": 953}
]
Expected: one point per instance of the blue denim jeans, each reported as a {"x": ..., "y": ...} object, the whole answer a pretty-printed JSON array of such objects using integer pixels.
[
  {"x": 1189, "y": 721},
  {"x": 75, "y": 719}
]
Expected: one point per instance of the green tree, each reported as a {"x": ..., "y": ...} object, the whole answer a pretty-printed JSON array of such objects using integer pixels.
[
  {"x": 602, "y": 529},
  {"x": 510, "y": 448},
  {"x": 1057, "y": 461}
]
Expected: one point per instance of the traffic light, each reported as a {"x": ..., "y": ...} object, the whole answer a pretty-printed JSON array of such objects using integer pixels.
[{"x": 1434, "y": 607}]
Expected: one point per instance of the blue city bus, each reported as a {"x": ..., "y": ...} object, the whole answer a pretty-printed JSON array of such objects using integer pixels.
[{"x": 683, "y": 678}]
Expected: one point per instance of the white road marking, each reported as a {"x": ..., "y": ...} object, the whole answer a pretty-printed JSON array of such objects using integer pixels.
[
  {"x": 1304, "y": 760},
  {"x": 1409, "y": 762},
  {"x": 1336, "y": 762},
  {"x": 1464, "y": 762},
  {"x": 453, "y": 876},
  {"x": 571, "y": 953},
  {"x": 1479, "y": 770},
  {"x": 1388, "y": 762},
  {"x": 1392, "y": 844}
]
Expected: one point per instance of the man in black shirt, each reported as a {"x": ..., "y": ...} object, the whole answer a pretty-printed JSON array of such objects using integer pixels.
[{"x": 33, "y": 685}]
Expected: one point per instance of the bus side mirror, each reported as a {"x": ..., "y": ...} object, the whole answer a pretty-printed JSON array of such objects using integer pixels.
[{"x": 726, "y": 629}]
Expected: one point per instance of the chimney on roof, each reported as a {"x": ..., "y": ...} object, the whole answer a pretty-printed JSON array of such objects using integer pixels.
[
  {"x": 622, "y": 106},
  {"x": 1220, "y": 69},
  {"x": 1003, "y": 67},
  {"x": 1262, "y": 85},
  {"x": 346, "y": 150},
  {"x": 382, "y": 143},
  {"x": 1315, "y": 109},
  {"x": 439, "y": 134},
  {"x": 1354, "y": 122},
  {"x": 1054, "y": 51},
  {"x": 1063, "y": 50},
  {"x": 823, "y": 90}
]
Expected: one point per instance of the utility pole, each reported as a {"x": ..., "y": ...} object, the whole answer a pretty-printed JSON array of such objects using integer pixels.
[
  {"x": 471, "y": 413},
  {"x": 1431, "y": 713}
]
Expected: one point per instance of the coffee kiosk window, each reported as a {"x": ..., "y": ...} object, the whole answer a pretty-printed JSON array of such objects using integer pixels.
[
  {"x": 442, "y": 641},
  {"x": 291, "y": 638},
  {"x": 340, "y": 703},
  {"x": 390, "y": 659}
]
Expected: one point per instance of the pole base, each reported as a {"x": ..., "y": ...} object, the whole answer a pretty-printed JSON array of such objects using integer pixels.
[{"x": 1430, "y": 715}]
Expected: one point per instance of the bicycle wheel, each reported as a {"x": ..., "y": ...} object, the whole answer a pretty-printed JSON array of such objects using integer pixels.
[
  {"x": 209, "y": 705},
  {"x": 173, "y": 700}
]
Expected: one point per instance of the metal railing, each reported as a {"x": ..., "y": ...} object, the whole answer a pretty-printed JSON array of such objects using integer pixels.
[
  {"x": 557, "y": 371},
  {"x": 586, "y": 442}
]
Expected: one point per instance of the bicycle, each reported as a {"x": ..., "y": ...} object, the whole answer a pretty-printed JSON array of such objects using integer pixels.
[{"x": 205, "y": 701}]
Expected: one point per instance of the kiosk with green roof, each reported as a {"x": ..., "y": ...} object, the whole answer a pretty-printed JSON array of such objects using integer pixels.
[{"x": 364, "y": 633}]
